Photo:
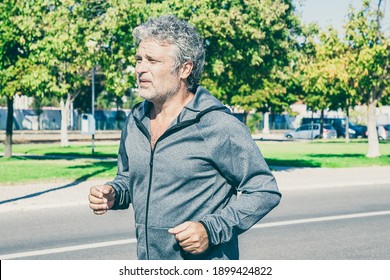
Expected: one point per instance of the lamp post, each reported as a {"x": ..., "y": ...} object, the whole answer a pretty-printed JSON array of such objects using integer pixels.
[{"x": 93, "y": 109}]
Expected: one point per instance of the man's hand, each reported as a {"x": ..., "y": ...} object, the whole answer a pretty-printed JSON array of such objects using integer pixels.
[
  {"x": 101, "y": 199},
  {"x": 192, "y": 237}
]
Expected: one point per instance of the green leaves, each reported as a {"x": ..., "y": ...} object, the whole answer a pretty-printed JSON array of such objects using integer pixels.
[{"x": 254, "y": 59}]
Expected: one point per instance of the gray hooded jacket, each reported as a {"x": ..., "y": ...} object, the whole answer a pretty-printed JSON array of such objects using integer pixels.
[{"x": 204, "y": 168}]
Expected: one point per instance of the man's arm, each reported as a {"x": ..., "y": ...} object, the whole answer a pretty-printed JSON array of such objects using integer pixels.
[
  {"x": 120, "y": 184},
  {"x": 239, "y": 160}
]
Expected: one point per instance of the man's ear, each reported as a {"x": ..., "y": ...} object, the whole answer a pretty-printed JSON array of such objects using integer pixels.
[{"x": 186, "y": 69}]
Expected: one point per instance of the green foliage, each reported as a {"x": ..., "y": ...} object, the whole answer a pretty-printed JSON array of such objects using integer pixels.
[
  {"x": 18, "y": 72},
  {"x": 254, "y": 122},
  {"x": 369, "y": 63},
  {"x": 112, "y": 45},
  {"x": 62, "y": 48},
  {"x": 254, "y": 60},
  {"x": 324, "y": 80},
  {"x": 369, "y": 67},
  {"x": 3, "y": 101},
  {"x": 247, "y": 46}
]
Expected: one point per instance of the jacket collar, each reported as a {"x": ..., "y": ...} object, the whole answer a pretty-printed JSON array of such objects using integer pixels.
[{"x": 203, "y": 101}]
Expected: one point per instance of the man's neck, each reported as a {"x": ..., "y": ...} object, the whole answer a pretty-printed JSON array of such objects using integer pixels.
[
  {"x": 171, "y": 107},
  {"x": 162, "y": 114}
]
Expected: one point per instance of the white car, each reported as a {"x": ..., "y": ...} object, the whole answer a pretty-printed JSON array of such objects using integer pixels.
[
  {"x": 311, "y": 131},
  {"x": 384, "y": 132}
]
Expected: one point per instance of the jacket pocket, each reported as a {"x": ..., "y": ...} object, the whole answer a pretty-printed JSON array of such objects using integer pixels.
[
  {"x": 141, "y": 241},
  {"x": 162, "y": 245}
]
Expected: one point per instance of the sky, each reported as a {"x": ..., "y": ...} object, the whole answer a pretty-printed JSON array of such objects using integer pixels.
[{"x": 333, "y": 12}]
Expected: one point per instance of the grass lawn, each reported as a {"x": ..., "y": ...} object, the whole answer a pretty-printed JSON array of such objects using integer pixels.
[
  {"x": 21, "y": 169},
  {"x": 76, "y": 162},
  {"x": 77, "y": 149},
  {"x": 323, "y": 153}
]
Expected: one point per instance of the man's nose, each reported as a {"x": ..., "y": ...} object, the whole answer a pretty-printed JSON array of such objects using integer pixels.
[{"x": 141, "y": 67}]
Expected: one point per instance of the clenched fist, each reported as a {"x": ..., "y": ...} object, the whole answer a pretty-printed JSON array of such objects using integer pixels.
[
  {"x": 101, "y": 199},
  {"x": 192, "y": 237}
]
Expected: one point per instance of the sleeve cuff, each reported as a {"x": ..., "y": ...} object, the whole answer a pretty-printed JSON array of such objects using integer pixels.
[{"x": 208, "y": 233}]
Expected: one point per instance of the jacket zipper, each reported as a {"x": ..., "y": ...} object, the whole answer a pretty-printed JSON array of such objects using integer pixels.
[
  {"x": 147, "y": 201},
  {"x": 145, "y": 131},
  {"x": 167, "y": 133}
]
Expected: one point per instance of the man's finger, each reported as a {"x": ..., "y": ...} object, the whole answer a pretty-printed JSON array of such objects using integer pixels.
[
  {"x": 179, "y": 228},
  {"x": 106, "y": 190},
  {"x": 96, "y": 192},
  {"x": 98, "y": 206},
  {"x": 99, "y": 212},
  {"x": 96, "y": 200},
  {"x": 183, "y": 236}
]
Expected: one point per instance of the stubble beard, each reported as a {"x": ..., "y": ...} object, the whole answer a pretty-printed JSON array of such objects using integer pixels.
[{"x": 159, "y": 97}]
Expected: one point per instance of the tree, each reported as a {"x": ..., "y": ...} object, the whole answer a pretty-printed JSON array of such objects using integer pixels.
[
  {"x": 369, "y": 55},
  {"x": 9, "y": 72},
  {"x": 325, "y": 80},
  {"x": 63, "y": 50},
  {"x": 112, "y": 44},
  {"x": 247, "y": 45},
  {"x": 18, "y": 72}
]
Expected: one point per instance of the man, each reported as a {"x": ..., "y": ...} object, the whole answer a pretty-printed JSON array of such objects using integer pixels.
[{"x": 190, "y": 169}]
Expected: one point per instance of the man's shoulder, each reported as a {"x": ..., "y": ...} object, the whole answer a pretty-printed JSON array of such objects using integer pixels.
[{"x": 220, "y": 121}]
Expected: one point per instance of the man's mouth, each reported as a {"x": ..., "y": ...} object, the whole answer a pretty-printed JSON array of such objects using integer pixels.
[{"x": 143, "y": 82}]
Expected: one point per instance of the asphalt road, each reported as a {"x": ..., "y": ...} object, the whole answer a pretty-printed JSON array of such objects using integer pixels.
[{"x": 341, "y": 223}]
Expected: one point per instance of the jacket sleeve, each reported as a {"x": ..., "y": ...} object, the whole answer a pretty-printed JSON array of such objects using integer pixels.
[
  {"x": 121, "y": 181},
  {"x": 239, "y": 160}
]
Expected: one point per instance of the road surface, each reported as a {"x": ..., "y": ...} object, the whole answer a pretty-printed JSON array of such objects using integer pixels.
[{"x": 334, "y": 223}]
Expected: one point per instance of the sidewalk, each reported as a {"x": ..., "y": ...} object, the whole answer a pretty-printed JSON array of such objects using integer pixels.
[
  {"x": 64, "y": 194},
  {"x": 54, "y": 136}
]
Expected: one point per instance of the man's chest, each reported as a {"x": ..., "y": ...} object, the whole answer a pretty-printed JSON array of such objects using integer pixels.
[{"x": 157, "y": 129}]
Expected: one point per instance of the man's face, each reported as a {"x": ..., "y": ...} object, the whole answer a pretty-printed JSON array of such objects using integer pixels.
[{"x": 154, "y": 69}]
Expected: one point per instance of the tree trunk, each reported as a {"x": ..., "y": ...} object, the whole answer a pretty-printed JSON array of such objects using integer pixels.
[
  {"x": 373, "y": 142},
  {"x": 322, "y": 124},
  {"x": 266, "y": 123},
  {"x": 65, "y": 105},
  {"x": 131, "y": 99},
  {"x": 9, "y": 127},
  {"x": 347, "y": 138},
  {"x": 117, "y": 113},
  {"x": 245, "y": 117}
]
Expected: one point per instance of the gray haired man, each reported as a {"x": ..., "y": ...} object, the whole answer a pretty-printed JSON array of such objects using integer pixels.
[{"x": 190, "y": 170}]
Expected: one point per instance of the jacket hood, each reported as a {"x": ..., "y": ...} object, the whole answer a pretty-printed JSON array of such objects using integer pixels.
[{"x": 202, "y": 103}]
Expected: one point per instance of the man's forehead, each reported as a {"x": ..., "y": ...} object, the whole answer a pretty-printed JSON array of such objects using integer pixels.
[{"x": 152, "y": 46}]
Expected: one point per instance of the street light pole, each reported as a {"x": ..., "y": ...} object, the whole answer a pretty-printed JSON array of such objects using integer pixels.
[{"x": 93, "y": 109}]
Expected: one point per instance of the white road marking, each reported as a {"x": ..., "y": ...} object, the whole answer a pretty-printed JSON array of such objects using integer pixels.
[
  {"x": 133, "y": 240},
  {"x": 322, "y": 219},
  {"x": 67, "y": 249}
]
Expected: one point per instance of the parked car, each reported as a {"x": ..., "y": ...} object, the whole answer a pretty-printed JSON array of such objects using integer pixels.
[
  {"x": 354, "y": 131},
  {"x": 384, "y": 132},
  {"x": 339, "y": 125},
  {"x": 363, "y": 129},
  {"x": 311, "y": 131}
]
